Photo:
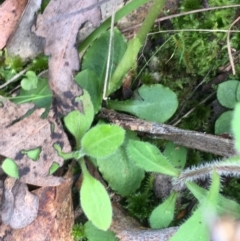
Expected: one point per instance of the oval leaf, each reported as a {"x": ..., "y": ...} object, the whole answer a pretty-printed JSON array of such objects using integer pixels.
[
  {"x": 153, "y": 103},
  {"x": 120, "y": 172},
  {"x": 226, "y": 93},
  {"x": 102, "y": 140},
  {"x": 223, "y": 123},
  {"x": 148, "y": 157},
  {"x": 177, "y": 154},
  {"x": 10, "y": 167},
  {"x": 94, "y": 234},
  {"x": 78, "y": 123},
  {"x": 96, "y": 60},
  {"x": 89, "y": 81},
  {"x": 95, "y": 201},
  {"x": 163, "y": 215}
]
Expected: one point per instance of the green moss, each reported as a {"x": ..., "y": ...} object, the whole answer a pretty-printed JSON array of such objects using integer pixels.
[{"x": 78, "y": 232}]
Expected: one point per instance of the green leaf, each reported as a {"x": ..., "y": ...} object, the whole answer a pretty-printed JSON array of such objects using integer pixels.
[
  {"x": 154, "y": 103},
  {"x": 41, "y": 96},
  {"x": 223, "y": 123},
  {"x": 196, "y": 225},
  {"x": 120, "y": 172},
  {"x": 32, "y": 154},
  {"x": 10, "y": 167},
  {"x": 236, "y": 126},
  {"x": 96, "y": 60},
  {"x": 102, "y": 140},
  {"x": 94, "y": 234},
  {"x": 78, "y": 123},
  {"x": 30, "y": 82},
  {"x": 95, "y": 201},
  {"x": 53, "y": 168},
  {"x": 123, "y": 11},
  {"x": 224, "y": 204},
  {"x": 126, "y": 63},
  {"x": 148, "y": 157},
  {"x": 89, "y": 81},
  {"x": 227, "y": 93},
  {"x": 176, "y": 154},
  {"x": 163, "y": 214}
]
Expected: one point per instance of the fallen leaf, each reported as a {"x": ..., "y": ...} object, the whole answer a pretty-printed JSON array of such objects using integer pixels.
[
  {"x": 23, "y": 42},
  {"x": 55, "y": 216},
  {"x": 60, "y": 34},
  {"x": 31, "y": 133},
  {"x": 10, "y": 13},
  {"x": 19, "y": 207}
]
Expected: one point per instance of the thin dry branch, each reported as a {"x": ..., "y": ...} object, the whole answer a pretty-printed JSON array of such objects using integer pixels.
[
  {"x": 191, "y": 139},
  {"x": 229, "y": 46},
  {"x": 182, "y": 14}
]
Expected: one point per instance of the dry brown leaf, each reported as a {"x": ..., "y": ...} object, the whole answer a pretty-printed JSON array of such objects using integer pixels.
[
  {"x": 19, "y": 207},
  {"x": 30, "y": 133},
  {"x": 55, "y": 216},
  {"x": 60, "y": 34},
  {"x": 23, "y": 42},
  {"x": 10, "y": 13}
]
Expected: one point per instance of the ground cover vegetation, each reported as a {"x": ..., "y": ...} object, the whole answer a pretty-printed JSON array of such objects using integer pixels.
[{"x": 175, "y": 74}]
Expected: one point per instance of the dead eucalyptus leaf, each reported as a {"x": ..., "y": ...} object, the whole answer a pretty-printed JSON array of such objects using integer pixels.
[
  {"x": 60, "y": 34},
  {"x": 23, "y": 42},
  {"x": 28, "y": 134},
  {"x": 55, "y": 216},
  {"x": 19, "y": 207},
  {"x": 10, "y": 13}
]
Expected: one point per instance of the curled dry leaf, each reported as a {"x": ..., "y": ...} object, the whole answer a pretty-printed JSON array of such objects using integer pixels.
[
  {"x": 23, "y": 42},
  {"x": 60, "y": 33},
  {"x": 31, "y": 133},
  {"x": 19, "y": 207},
  {"x": 10, "y": 13},
  {"x": 55, "y": 216}
]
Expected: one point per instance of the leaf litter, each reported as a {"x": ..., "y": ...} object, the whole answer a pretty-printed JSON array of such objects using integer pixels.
[
  {"x": 60, "y": 35},
  {"x": 21, "y": 133},
  {"x": 10, "y": 13}
]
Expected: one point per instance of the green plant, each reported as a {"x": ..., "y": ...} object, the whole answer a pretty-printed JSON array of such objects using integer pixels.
[
  {"x": 78, "y": 232},
  {"x": 148, "y": 157},
  {"x": 119, "y": 155},
  {"x": 228, "y": 94},
  {"x": 99, "y": 142}
]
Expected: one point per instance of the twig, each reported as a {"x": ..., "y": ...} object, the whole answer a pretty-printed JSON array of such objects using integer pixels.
[
  {"x": 142, "y": 235},
  {"x": 182, "y": 14},
  {"x": 229, "y": 47},
  {"x": 190, "y": 111},
  {"x": 126, "y": 228},
  {"x": 191, "y": 139},
  {"x": 15, "y": 77},
  {"x": 196, "y": 30}
]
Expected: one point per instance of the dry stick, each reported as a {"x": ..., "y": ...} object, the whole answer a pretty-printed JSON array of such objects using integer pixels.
[
  {"x": 182, "y": 14},
  {"x": 191, "y": 139},
  {"x": 126, "y": 228},
  {"x": 229, "y": 47},
  {"x": 15, "y": 77},
  {"x": 195, "y": 30},
  {"x": 151, "y": 235}
]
